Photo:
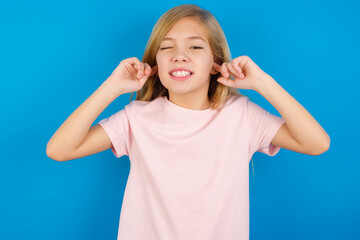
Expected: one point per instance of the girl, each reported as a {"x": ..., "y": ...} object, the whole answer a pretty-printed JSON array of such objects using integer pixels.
[{"x": 189, "y": 134}]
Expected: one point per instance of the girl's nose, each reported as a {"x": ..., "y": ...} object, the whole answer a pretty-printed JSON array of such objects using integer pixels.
[{"x": 180, "y": 56}]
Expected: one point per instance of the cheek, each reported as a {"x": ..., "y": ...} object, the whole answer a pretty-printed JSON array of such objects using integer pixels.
[
  {"x": 210, "y": 63},
  {"x": 206, "y": 60},
  {"x": 161, "y": 63}
]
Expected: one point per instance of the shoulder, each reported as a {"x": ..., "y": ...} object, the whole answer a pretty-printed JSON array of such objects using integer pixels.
[
  {"x": 238, "y": 101},
  {"x": 135, "y": 107},
  {"x": 238, "y": 98},
  {"x": 233, "y": 106},
  {"x": 143, "y": 107},
  {"x": 137, "y": 104}
]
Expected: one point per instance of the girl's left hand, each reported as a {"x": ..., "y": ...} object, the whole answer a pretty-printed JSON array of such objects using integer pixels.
[{"x": 246, "y": 73}]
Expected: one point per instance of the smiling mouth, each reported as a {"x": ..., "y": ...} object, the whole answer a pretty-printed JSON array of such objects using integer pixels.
[
  {"x": 180, "y": 73},
  {"x": 181, "y": 78}
]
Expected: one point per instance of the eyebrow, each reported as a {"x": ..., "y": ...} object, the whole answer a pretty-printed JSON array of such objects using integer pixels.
[{"x": 193, "y": 37}]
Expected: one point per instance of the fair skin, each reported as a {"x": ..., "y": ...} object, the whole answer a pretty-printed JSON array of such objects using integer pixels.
[{"x": 178, "y": 50}]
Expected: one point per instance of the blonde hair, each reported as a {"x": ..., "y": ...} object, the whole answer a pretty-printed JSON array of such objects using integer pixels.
[{"x": 153, "y": 88}]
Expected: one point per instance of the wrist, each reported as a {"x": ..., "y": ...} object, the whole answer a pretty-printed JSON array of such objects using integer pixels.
[
  {"x": 263, "y": 83},
  {"x": 112, "y": 88}
]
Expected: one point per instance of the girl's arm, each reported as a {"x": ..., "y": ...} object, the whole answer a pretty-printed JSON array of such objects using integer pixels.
[
  {"x": 63, "y": 144},
  {"x": 300, "y": 132},
  {"x": 75, "y": 138}
]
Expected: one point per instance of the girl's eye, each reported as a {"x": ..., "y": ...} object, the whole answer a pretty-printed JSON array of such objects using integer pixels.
[{"x": 195, "y": 47}]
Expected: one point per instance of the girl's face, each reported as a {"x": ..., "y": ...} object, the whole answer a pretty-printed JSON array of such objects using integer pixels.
[{"x": 185, "y": 46}]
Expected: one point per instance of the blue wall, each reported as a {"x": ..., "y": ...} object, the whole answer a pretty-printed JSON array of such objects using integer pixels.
[{"x": 54, "y": 55}]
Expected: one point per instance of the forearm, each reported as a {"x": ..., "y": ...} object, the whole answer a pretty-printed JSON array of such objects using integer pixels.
[
  {"x": 302, "y": 126},
  {"x": 74, "y": 130}
]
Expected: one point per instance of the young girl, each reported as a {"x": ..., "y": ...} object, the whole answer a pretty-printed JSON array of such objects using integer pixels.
[{"x": 189, "y": 134}]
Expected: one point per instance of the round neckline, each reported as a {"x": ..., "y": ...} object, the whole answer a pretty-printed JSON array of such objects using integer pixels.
[{"x": 185, "y": 110}]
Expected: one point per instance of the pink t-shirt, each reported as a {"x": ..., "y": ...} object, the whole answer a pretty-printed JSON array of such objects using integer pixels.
[{"x": 189, "y": 174}]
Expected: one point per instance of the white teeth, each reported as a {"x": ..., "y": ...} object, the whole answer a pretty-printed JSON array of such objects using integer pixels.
[{"x": 180, "y": 73}]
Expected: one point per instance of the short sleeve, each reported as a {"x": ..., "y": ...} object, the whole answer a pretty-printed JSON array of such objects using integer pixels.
[
  {"x": 263, "y": 128},
  {"x": 117, "y": 128}
]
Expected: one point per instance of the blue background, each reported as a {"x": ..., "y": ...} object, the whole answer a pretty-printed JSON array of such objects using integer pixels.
[{"x": 55, "y": 54}]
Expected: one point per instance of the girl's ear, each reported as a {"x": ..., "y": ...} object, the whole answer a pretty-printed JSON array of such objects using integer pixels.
[{"x": 213, "y": 71}]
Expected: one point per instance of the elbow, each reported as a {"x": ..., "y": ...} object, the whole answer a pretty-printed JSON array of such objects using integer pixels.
[
  {"x": 52, "y": 155},
  {"x": 52, "y": 152},
  {"x": 322, "y": 148}
]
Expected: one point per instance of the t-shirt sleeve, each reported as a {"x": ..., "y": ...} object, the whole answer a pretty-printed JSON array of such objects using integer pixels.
[
  {"x": 263, "y": 128},
  {"x": 117, "y": 128}
]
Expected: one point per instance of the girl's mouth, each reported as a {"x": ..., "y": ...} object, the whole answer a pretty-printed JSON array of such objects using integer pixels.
[{"x": 181, "y": 78}]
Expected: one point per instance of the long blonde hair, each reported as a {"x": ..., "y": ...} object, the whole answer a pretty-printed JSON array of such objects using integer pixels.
[{"x": 153, "y": 88}]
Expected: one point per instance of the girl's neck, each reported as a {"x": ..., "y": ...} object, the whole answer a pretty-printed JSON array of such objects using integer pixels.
[{"x": 192, "y": 103}]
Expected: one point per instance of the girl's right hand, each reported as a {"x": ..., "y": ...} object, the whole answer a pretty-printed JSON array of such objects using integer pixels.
[{"x": 130, "y": 75}]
